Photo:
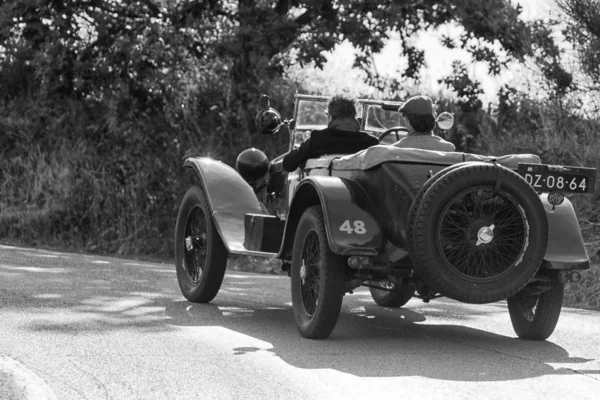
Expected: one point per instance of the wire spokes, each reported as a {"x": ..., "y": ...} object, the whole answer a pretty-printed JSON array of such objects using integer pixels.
[
  {"x": 482, "y": 233},
  {"x": 195, "y": 244},
  {"x": 310, "y": 273}
]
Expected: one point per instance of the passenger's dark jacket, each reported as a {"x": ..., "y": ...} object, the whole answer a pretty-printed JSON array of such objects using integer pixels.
[{"x": 331, "y": 140}]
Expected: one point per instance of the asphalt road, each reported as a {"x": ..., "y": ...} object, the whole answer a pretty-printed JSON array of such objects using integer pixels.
[{"x": 84, "y": 327}]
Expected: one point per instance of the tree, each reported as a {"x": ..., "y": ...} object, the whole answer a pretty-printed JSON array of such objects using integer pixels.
[
  {"x": 583, "y": 31},
  {"x": 263, "y": 35},
  {"x": 254, "y": 40}
]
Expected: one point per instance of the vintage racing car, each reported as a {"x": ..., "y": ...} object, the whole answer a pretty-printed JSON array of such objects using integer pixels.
[{"x": 403, "y": 222}]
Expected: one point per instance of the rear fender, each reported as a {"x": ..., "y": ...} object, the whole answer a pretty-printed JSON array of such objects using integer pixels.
[
  {"x": 565, "y": 243},
  {"x": 353, "y": 227},
  {"x": 230, "y": 199}
]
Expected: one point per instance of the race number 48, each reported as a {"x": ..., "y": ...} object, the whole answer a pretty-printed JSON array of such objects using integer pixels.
[{"x": 357, "y": 227}]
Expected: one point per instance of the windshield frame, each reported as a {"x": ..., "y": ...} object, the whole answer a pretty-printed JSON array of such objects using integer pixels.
[{"x": 300, "y": 132}]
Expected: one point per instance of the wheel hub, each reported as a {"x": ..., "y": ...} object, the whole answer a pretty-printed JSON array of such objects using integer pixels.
[
  {"x": 485, "y": 235},
  {"x": 189, "y": 245},
  {"x": 303, "y": 272},
  {"x": 195, "y": 242}
]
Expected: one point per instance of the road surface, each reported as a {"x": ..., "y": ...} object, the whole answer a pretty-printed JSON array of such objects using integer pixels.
[{"x": 86, "y": 327}]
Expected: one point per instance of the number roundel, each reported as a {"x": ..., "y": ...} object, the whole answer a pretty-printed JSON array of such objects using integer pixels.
[{"x": 357, "y": 227}]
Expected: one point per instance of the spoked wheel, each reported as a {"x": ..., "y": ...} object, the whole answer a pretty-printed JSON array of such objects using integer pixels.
[
  {"x": 483, "y": 234},
  {"x": 534, "y": 317},
  {"x": 200, "y": 255},
  {"x": 395, "y": 296},
  {"x": 479, "y": 234},
  {"x": 317, "y": 278}
]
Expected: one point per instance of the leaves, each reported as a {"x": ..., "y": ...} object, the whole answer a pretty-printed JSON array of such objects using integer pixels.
[{"x": 583, "y": 31}]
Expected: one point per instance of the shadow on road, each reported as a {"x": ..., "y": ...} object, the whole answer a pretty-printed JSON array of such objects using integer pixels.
[
  {"x": 380, "y": 342},
  {"x": 72, "y": 294}
]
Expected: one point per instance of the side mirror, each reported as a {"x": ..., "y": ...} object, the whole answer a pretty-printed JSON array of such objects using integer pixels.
[
  {"x": 445, "y": 120},
  {"x": 268, "y": 120}
]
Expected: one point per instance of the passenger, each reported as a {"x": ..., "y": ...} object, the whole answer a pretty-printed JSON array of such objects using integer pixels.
[
  {"x": 342, "y": 135},
  {"x": 418, "y": 111}
]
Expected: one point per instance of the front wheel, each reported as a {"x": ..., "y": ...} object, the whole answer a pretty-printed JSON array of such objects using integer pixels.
[
  {"x": 395, "y": 296},
  {"x": 317, "y": 278},
  {"x": 535, "y": 317},
  {"x": 200, "y": 255}
]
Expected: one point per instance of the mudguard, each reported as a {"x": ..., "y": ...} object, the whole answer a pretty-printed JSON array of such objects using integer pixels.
[
  {"x": 230, "y": 199},
  {"x": 565, "y": 243},
  {"x": 353, "y": 227}
]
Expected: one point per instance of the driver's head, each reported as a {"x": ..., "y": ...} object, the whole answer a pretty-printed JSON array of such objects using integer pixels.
[
  {"x": 341, "y": 106},
  {"x": 418, "y": 110}
]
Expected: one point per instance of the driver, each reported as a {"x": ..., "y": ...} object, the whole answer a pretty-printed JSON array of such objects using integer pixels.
[
  {"x": 342, "y": 135},
  {"x": 418, "y": 111}
]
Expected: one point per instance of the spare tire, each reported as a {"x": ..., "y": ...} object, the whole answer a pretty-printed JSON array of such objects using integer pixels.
[
  {"x": 414, "y": 207},
  {"x": 480, "y": 233}
]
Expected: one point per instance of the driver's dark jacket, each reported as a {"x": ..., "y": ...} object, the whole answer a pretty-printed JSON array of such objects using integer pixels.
[{"x": 328, "y": 141}]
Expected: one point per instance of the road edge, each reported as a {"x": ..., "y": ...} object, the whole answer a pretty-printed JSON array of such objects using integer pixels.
[{"x": 20, "y": 383}]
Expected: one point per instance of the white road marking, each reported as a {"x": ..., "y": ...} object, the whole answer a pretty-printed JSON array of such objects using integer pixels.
[
  {"x": 41, "y": 255},
  {"x": 236, "y": 311},
  {"x": 33, "y": 269},
  {"x": 134, "y": 264},
  {"x": 47, "y": 296}
]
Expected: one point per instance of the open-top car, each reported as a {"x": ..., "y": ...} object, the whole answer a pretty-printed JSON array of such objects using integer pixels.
[{"x": 404, "y": 222}]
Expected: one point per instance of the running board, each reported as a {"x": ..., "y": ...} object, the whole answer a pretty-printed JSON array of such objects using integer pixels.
[
  {"x": 253, "y": 253},
  {"x": 263, "y": 233}
]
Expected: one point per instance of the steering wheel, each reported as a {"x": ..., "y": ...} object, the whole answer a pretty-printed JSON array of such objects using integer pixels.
[{"x": 396, "y": 130}]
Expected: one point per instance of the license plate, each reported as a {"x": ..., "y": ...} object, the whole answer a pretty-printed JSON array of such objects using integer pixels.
[{"x": 558, "y": 178}]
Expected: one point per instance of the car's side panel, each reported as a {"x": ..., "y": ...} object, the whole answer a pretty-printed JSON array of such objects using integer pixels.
[
  {"x": 565, "y": 243},
  {"x": 230, "y": 199},
  {"x": 352, "y": 225}
]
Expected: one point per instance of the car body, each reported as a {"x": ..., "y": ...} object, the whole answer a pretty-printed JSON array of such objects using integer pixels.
[{"x": 404, "y": 222}]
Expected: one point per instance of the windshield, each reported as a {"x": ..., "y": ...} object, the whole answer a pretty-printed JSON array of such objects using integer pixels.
[
  {"x": 379, "y": 120},
  {"x": 310, "y": 114}
]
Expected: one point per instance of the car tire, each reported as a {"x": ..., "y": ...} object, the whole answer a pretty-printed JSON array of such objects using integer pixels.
[
  {"x": 480, "y": 234},
  {"x": 200, "y": 255},
  {"x": 535, "y": 317},
  {"x": 399, "y": 296},
  {"x": 317, "y": 277}
]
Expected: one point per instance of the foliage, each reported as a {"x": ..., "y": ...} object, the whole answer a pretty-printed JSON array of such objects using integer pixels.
[{"x": 582, "y": 30}]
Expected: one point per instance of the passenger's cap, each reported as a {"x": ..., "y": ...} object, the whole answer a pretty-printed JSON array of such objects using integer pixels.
[{"x": 419, "y": 105}]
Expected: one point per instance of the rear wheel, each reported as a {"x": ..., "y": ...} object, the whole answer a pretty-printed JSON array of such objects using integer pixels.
[
  {"x": 535, "y": 317},
  {"x": 317, "y": 278},
  {"x": 395, "y": 296},
  {"x": 200, "y": 255}
]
